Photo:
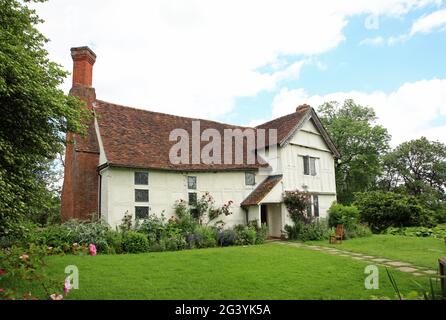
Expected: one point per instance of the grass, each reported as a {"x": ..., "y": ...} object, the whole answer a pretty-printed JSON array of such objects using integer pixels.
[
  {"x": 423, "y": 252},
  {"x": 270, "y": 271}
]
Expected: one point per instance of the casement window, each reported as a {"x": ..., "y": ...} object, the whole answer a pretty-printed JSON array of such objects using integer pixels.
[
  {"x": 142, "y": 178},
  {"x": 141, "y": 195},
  {"x": 194, "y": 213},
  {"x": 192, "y": 198},
  {"x": 192, "y": 183},
  {"x": 250, "y": 178},
  {"x": 141, "y": 212},
  {"x": 316, "y": 205},
  {"x": 309, "y": 166}
]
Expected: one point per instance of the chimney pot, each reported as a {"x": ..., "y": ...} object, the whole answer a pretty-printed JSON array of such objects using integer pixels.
[{"x": 83, "y": 61}]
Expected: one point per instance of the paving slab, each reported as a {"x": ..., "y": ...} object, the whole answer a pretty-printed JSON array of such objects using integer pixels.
[
  {"x": 398, "y": 264},
  {"x": 407, "y": 269},
  {"x": 430, "y": 272},
  {"x": 380, "y": 260}
]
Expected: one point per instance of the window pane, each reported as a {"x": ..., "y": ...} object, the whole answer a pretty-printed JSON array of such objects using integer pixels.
[
  {"x": 142, "y": 178},
  {"x": 192, "y": 198},
  {"x": 316, "y": 205},
  {"x": 306, "y": 165},
  {"x": 141, "y": 195},
  {"x": 142, "y": 212},
  {"x": 194, "y": 213},
  {"x": 250, "y": 179},
  {"x": 313, "y": 166},
  {"x": 192, "y": 183}
]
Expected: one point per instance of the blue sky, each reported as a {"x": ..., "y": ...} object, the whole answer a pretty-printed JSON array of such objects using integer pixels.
[
  {"x": 250, "y": 61},
  {"x": 367, "y": 68}
]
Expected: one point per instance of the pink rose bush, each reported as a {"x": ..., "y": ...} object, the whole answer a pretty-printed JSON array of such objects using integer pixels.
[{"x": 92, "y": 249}]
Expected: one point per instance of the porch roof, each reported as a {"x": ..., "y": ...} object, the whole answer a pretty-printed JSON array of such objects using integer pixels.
[{"x": 261, "y": 191}]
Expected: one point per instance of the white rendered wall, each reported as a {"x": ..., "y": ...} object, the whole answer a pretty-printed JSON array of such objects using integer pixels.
[{"x": 167, "y": 187}]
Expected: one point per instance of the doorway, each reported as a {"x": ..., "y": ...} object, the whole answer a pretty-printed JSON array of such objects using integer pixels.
[{"x": 264, "y": 214}]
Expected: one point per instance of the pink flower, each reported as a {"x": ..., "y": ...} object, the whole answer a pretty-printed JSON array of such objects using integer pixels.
[
  {"x": 24, "y": 257},
  {"x": 92, "y": 249},
  {"x": 56, "y": 297},
  {"x": 2, "y": 290},
  {"x": 67, "y": 286},
  {"x": 2, "y": 272}
]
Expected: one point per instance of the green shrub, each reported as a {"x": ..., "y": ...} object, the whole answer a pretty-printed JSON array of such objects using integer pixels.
[
  {"x": 340, "y": 214},
  {"x": 85, "y": 233},
  {"x": 435, "y": 232},
  {"x": 226, "y": 237},
  {"x": 358, "y": 231},
  {"x": 202, "y": 237},
  {"x": 246, "y": 235},
  {"x": 114, "y": 241},
  {"x": 381, "y": 210},
  {"x": 317, "y": 230},
  {"x": 134, "y": 242}
]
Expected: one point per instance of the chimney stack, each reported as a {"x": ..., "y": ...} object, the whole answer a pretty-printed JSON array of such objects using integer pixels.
[
  {"x": 303, "y": 107},
  {"x": 83, "y": 61}
]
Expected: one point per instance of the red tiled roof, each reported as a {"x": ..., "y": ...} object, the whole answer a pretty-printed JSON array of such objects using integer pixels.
[
  {"x": 285, "y": 125},
  {"x": 140, "y": 138},
  {"x": 261, "y": 191}
]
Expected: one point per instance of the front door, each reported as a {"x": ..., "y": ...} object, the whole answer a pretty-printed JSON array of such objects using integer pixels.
[{"x": 264, "y": 214}]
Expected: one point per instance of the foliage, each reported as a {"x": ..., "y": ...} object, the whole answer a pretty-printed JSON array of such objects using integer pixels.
[
  {"x": 349, "y": 217},
  {"x": 35, "y": 116},
  {"x": 361, "y": 143},
  {"x": 27, "y": 268},
  {"x": 202, "y": 237},
  {"x": 261, "y": 232},
  {"x": 226, "y": 237},
  {"x": 246, "y": 235},
  {"x": 418, "y": 167},
  {"x": 126, "y": 222},
  {"x": 316, "y": 230},
  {"x": 341, "y": 214},
  {"x": 135, "y": 242},
  {"x": 435, "y": 232},
  {"x": 297, "y": 203},
  {"x": 357, "y": 231},
  {"x": 62, "y": 237},
  {"x": 381, "y": 210}
]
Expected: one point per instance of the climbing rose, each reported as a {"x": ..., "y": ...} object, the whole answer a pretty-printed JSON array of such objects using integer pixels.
[
  {"x": 92, "y": 249},
  {"x": 67, "y": 286},
  {"x": 2, "y": 272}
]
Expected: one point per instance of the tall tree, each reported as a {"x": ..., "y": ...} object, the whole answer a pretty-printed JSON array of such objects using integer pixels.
[
  {"x": 361, "y": 143},
  {"x": 35, "y": 113},
  {"x": 418, "y": 167}
]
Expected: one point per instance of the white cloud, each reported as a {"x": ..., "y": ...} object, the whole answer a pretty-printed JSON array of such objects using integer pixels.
[
  {"x": 430, "y": 22},
  {"x": 407, "y": 113},
  {"x": 377, "y": 41},
  {"x": 195, "y": 57}
]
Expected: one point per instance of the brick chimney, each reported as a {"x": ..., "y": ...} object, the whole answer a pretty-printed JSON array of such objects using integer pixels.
[
  {"x": 80, "y": 188},
  {"x": 83, "y": 62}
]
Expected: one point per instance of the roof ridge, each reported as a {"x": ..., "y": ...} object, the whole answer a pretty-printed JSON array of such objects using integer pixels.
[{"x": 174, "y": 115}]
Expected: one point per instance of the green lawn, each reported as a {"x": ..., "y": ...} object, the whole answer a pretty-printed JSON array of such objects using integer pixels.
[
  {"x": 270, "y": 271},
  {"x": 419, "y": 251}
]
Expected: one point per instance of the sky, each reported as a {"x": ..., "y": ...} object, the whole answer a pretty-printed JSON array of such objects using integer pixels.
[{"x": 246, "y": 62}]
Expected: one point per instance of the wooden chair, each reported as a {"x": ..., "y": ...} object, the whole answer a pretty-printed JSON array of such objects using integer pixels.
[{"x": 339, "y": 232}]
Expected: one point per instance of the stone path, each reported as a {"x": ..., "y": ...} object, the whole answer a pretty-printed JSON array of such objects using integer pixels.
[{"x": 399, "y": 265}]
